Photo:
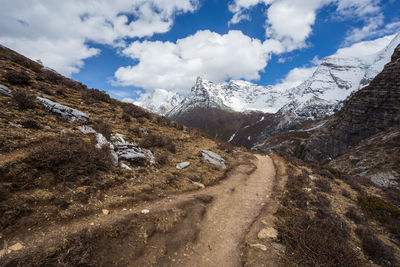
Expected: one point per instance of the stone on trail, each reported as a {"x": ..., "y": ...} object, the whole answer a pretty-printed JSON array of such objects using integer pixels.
[
  {"x": 105, "y": 212},
  {"x": 268, "y": 232},
  {"x": 145, "y": 211},
  {"x": 16, "y": 247},
  {"x": 259, "y": 246}
]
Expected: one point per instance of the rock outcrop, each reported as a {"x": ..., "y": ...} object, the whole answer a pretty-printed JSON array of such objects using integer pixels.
[{"x": 67, "y": 113}]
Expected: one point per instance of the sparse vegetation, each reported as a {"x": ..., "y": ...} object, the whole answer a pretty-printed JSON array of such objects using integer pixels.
[
  {"x": 376, "y": 250},
  {"x": 91, "y": 96},
  {"x": 103, "y": 128},
  {"x": 31, "y": 124},
  {"x": 152, "y": 140},
  {"x": 17, "y": 77},
  {"x": 24, "y": 99},
  {"x": 134, "y": 111}
]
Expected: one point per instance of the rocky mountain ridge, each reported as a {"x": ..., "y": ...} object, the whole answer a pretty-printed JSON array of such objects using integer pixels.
[{"x": 323, "y": 94}]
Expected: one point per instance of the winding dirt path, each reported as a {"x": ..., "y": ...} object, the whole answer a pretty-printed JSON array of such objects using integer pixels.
[{"x": 236, "y": 203}]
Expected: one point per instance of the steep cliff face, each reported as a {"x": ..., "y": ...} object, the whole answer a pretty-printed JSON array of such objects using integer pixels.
[{"x": 373, "y": 109}]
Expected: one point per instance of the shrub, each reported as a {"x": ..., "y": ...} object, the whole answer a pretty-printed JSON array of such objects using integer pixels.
[
  {"x": 17, "y": 78},
  {"x": 135, "y": 111},
  {"x": 31, "y": 124},
  {"x": 152, "y": 140},
  {"x": 354, "y": 215},
  {"x": 49, "y": 76},
  {"x": 162, "y": 159},
  {"x": 91, "y": 96},
  {"x": 316, "y": 241},
  {"x": 60, "y": 91},
  {"x": 375, "y": 249},
  {"x": 60, "y": 160},
  {"x": 323, "y": 185},
  {"x": 103, "y": 128},
  {"x": 24, "y": 100},
  {"x": 225, "y": 146}
]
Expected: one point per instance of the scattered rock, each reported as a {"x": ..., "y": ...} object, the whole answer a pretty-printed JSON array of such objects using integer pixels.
[
  {"x": 86, "y": 129},
  {"x": 105, "y": 212},
  {"x": 268, "y": 232},
  {"x": 259, "y": 246},
  {"x": 213, "y": 158},
  {"x": 182, "y": 165},
  {"x": 199, "y": 184},
  {"x": 124, "y": 166},
  {"x": 2, "y": 252},
  {"x": 151, "y": 157},
  {"x": 132, "y": 155},
  {"x": 281, "y": 248},
  {"x": 16, "y": 125},
  {"x": 312, "y": 178},
  {"x": 16, "y": 247},
  {"x": 5, "y": 91},
  {"x": 114, "y": 157},
  {"x": 145, "y": 211},
  {"x": 384, "y": 179},
  {"x": 65, "y": 112}
]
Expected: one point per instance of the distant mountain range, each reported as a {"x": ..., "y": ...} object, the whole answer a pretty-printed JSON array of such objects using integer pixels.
[{"x": 334, "y": 80}]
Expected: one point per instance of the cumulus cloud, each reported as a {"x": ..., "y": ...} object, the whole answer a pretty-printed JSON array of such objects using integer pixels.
[
  {"x": 290, "y": 21},
  {"x": 175, "y": 66},
  {"x": 58, "y": 32}
]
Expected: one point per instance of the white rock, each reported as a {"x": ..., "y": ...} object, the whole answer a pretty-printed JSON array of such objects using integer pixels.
[
  {"x": 182, "y": 165},
  {"x": 145, "y": 211},
  {"x": 86, "y": 129},
  {"x": 17, "y": 246},
  {"x": 124, "y": 166},
  {"x": 65, "y": 112},
  {"x": 213, "y": 158},
  {"x": 5, "y": 91},
  {"x": 259, "y": 246},
  {"x": 268, "y": 232},
  {"x": 114, "y": 157},
  {"x": 151, "y": 157},
  {"x": 105, "y": 212},
  {"x": 131, "y": 155},
  {"x": 199, "y": 184}
]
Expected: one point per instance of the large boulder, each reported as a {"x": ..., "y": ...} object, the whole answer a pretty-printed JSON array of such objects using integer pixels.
[
  {"x": 213, "y": 158},
  {"x": 67, "y": 113}
]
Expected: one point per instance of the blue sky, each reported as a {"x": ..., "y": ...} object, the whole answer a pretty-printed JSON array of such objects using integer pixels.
[{"x": 128, "y": 47}]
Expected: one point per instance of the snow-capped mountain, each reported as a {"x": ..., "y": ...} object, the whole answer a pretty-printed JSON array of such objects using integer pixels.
[
  {"x": 333, "y": 81},
  {"x": 160, "y": 101}
]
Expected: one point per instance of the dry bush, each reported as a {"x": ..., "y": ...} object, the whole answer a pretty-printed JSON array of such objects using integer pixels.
[
  {"x": 103, "y": 128},
  {"x": 375, "y": 249},
  {"x": 384, "y": 212},
  {"x": 295, "y": 189},
  {"x": 24, "y": 100},
  {"x": 31, "y": 124},
  {"x": 91, "y": 96},
  {"x": 353, "y": 214},
  {"x": 225, "y": 146},
  {"x": 135, "y": 111},
  {"x": 323, "y": 185},
  {"x": 49, "y": 76},
  {"x": 315, "y": 241},
  {"x": 17, "y": 77},
  {"x": 152, "y": 140},
  {"x": 58, "y": 160},
  {"x": 162, "y": 159}
]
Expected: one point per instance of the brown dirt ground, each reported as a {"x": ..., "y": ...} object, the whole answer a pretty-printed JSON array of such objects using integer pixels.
[{"x": 200, "y": 228}]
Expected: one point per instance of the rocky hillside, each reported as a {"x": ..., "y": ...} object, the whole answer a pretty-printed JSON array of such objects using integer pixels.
[
  {"x": 67, "y": 151},
  {"x": 364, "y": 133}
]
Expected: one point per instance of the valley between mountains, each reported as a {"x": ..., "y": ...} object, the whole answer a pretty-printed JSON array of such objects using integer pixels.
[{"x": 87, "y": 180}]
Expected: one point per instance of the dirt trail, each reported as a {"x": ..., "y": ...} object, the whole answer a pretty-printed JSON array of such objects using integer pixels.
[{"x": 236, "y": 203}]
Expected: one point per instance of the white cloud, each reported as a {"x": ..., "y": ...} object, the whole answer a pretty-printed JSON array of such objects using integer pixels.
[
  {"x": 65, "y": 27},
  {"x": 290, "y": 21},
  {"x": 175, "y": 66}
]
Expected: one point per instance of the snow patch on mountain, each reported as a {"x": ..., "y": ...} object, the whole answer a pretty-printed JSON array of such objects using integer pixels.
[{"x": 159, "y": 101}]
